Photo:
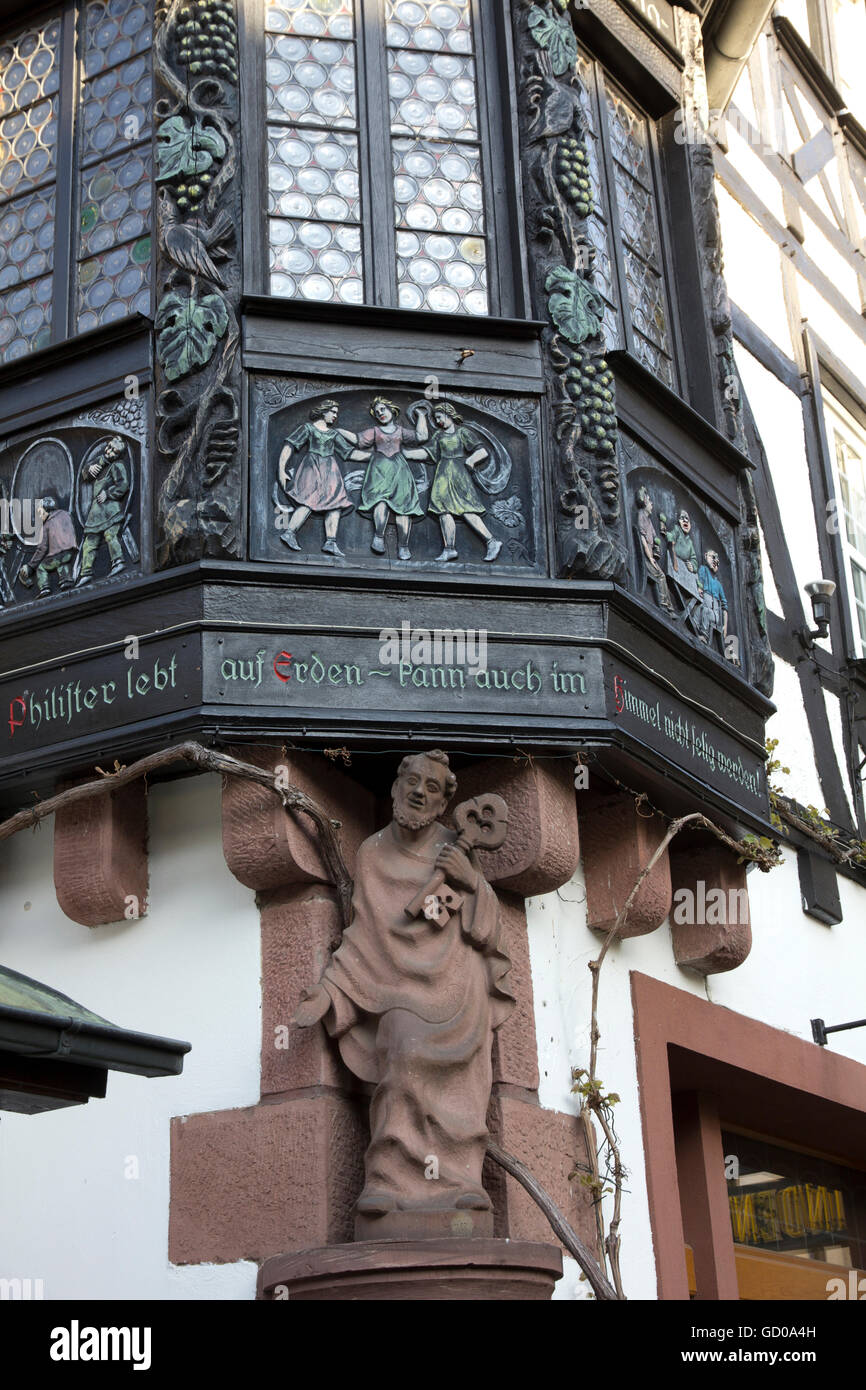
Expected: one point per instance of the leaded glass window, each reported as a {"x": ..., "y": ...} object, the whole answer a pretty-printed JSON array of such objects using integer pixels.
[
  {"x": 75, "y": 172},
  {"x": 625, "y": 224},
  {"x": 114, "y": 178},
  {"x": 313, "y": 151},
  {"x": 353, "y": 111},
  {"x": 438, "y": 194},
  {"x": 29, "y": 82}
]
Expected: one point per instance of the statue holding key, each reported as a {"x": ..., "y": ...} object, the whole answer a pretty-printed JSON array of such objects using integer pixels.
[{"x": 415, "y": 990}]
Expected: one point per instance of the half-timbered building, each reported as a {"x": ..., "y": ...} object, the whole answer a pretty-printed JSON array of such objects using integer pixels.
[{"x": 381, "y": 375}]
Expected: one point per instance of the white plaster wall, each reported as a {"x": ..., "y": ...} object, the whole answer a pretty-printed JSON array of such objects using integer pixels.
[
  {"x": 779, "y": 417},
  {"x": 560, "y": 947},
  {"x": 190, "y": 969},
  {"x": 798, "y": 969},
  {"x": 752, "y": 271},
  {"x": 796, "y": 750}
]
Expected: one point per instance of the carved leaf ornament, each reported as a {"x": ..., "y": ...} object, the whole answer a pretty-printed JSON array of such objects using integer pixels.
[
  {"x": 188, "y": 329},
  {"x": 574, "y": 305},
  {"x": 554, "y": 33},
  {"x": 185, "y": 149}
]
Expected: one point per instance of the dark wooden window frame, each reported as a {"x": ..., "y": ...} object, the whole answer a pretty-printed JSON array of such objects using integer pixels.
[
  {"x": 602, "y": 72},
  {"x": 497, "y": 140},
  {"x": 69, "y": 13}
]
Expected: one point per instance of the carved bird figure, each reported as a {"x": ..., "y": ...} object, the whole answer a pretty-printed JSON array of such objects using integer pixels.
[{"x": 189, "y": 246}]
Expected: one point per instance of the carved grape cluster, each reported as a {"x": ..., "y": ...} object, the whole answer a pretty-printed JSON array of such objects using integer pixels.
[
  {"x": 207, "y": 36},
  {"x": 589, "y": 383},
  {"x": 188, "y": 195},
  {"x": 572, "y": 174}
]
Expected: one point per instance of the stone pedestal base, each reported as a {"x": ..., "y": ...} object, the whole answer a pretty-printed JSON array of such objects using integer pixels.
[
  {"x": 421, "y": 1270},
  {"x": 424, "y": 1225}
]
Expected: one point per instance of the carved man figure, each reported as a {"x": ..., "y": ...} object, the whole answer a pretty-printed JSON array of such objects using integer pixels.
[
  {"x": 679, "y": 538},
  {"x": 55, "y": 551},
  {"x": 714, "y": 602},
  {"x": 109, "y": 474},
  {"x": 413, "y": 1003},
  {"x": 651, "y": 547}
]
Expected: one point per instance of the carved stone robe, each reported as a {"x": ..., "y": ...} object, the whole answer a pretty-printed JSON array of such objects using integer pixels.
[{"x": 413, "y": 1007}]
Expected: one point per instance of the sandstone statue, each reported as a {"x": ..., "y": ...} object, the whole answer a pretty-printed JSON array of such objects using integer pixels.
[{"x": 415, "y": 990}]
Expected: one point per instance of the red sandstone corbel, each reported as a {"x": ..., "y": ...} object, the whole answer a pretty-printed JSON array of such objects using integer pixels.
[
  {"x": 710, "y": 893},
  {"x": 100, "y": 857},
  {"x": 265, "y": 847},
  {"x": 541, "y": 850},
  {"x": 618, "y": 843}
]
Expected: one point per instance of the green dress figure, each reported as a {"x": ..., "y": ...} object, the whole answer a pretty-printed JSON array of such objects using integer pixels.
[
  {"x": 316, "y": 481},
  {"x": 456, "y": 451},
  {"x": 389, "y": 484},
  {"x": 105, "y": 515}
]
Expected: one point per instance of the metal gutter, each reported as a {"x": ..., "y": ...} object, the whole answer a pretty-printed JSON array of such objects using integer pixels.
[{"x": 728, "y": 43}]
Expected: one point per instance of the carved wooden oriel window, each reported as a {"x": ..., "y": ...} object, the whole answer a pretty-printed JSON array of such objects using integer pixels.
[
  {"x": 375, "y": 160},
  {"x": 75, "y": 194},
  {"x": 625, "y": 224}
]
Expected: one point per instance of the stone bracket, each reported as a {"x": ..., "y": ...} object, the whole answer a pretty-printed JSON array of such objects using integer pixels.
[
  {"x": 711, "y": 888},
  {"x": 617, "y": 843},
  {"x": 100, "y": 857}
]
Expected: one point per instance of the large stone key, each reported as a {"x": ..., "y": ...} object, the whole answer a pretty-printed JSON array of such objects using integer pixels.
[{"x": 482, "y": 823}]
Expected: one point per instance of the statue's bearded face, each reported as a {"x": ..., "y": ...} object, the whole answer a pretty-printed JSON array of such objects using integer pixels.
[{"x": 419, "y": 793}]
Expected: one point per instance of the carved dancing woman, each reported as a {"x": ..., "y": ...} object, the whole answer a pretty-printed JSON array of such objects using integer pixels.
[
  {"x": 388, "y": 482},
  {"x": 456, "y": 451},
  {"x": 316, "y": 481}
]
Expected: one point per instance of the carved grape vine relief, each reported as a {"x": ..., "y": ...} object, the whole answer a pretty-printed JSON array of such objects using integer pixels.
[
  {"x": 558, "y": 201},
  {"x": 198, "y": 279}
]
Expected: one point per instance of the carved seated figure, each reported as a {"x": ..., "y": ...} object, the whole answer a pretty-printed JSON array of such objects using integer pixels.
[{"x": 412, "y": 995}]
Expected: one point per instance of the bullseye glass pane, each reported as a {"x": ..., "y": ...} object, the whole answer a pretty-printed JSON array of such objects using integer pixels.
[
  {"x": 29, "y": 66},
  {"x": 115, "y": 173},
  {"x": 315, "y": 260},
  {"x": 114, "y": 285},
  {"x": 445, "y": 274},
  {"x": 26, "y": 238},
  {"x": 28, "y": 147},
  {"x": 25, "y": 319},
  {"x": 438, "y": 189},
  {"x": 433, "y": 26},
  {"x": 433, "y": 94},
  {"x": 311, "y": 80},
  {"x": 313, "y": 18},
  {"x": 437, "y": 186},
  {"x": 115, "y": 108},
  {"x": 313, "y": 173},
  {"x": 314, "y": 195},
  {"x": 114, "y": 32}
]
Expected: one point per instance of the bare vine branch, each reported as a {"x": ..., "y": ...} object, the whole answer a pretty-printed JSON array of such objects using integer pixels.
[
  {"x": 565, "y": 1233},
  {"x": 209, "y": 760}
]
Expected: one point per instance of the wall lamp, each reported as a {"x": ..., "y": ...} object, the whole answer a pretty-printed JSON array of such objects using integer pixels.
[
  {"x": 820, "y": 592},
  {"x": 820, "y": 1029}
]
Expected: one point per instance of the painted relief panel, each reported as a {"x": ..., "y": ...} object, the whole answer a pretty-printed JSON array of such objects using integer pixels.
[
  {"x": 390, "y": 477},
  {"x": 70, "y": 503},
  {"x": 683, "y": 555}
]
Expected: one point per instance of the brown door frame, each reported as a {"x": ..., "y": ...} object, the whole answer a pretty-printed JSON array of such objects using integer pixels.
[{"x": 704, "y": 1065}]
